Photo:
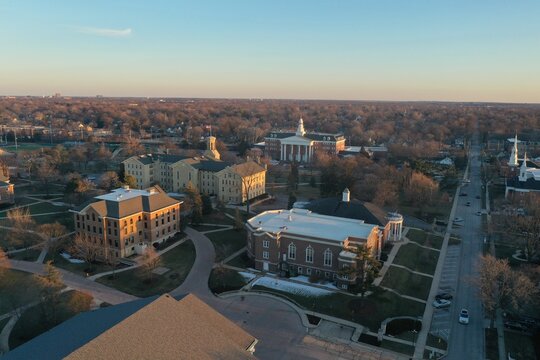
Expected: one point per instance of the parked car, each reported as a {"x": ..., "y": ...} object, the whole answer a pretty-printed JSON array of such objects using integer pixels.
[
  {"x": 468, "y": 203},
  {"x": 462, "y": 194},
  {"x": 478, "y": 197},
  {"x": 443, "y": 296},
  {"x": 439, "y": 304},
  {"x": 479, "y": 213},
  {"x": 464, "y": 316},
  {"x": 458, "y": 220}
]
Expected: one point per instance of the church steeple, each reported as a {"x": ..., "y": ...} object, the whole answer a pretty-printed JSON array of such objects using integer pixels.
[
  {"x": 513, "y": 161},
  {"x": 300, "y": 130},
  {"x": 523, "y": 169}
]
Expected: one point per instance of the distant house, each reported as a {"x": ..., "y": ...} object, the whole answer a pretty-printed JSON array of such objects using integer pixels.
[{"x": 151, "y": 328}]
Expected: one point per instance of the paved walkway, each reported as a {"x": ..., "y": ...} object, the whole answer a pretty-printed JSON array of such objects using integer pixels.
[{"x": 99, "y": 291}]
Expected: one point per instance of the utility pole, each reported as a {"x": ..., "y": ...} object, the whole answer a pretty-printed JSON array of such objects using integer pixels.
[{"x": 15, "y": 134}]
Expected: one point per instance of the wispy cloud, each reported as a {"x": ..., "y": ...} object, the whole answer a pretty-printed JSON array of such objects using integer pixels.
[{"x": 111, "y": 33}]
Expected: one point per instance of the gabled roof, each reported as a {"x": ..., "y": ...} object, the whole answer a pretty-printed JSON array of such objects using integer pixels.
[
  {"x": 152, "y": 158},
  {"x": 530, "y": 184},
  {"x": 153, "y": 328},
  {"x": 124, "y": 202},
  {"x": 248, "y": 168}
]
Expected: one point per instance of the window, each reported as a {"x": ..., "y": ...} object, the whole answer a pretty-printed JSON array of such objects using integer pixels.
[
  {"x": 266, "y": 244},
  {"x": 308, "y": 271},
  {"x": 344, "y": 286},
  {"x": 292, "y": 251},
  {"x": 265, "y": 255},
  {"x": 309, "y": 254},
  {"x": 299, "y": 270},
  {"x": 327, "y": 257},
  {"x": 327, "y": 275}
]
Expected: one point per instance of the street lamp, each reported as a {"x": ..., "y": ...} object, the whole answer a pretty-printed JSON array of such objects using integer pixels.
[{"x": 414, "y": 336}]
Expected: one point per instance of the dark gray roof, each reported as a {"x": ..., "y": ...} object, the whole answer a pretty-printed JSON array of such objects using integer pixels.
[
  {"x": 530, "y": 184},
  {"x": 170, "y": 158},
  {"x": 67, "y": 337},
  {"x": 211, "y": 165},
  {"x": 353, "y": 209},
  {"x": 280, "y": 135}
]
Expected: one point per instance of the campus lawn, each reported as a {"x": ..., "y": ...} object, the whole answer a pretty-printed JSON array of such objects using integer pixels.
[
  {"x": 227, "y": 242},
  {"x": 203, "y": 228},
  {"x": 425, "y": 239},
  {"x": 241, "y": 261},
  {"x": 520, "y": 346},
  {"x": 26, "y": 255},
  {"x": 30, "y": 239},
  {"x": 370, "y": 311},
  {"x": 222, "y": 279},
  {"x": 179, "y": 260},
  {"x": 436, "y": 342},
  {"x": 83, "y": 269},
  {"x": 505, "y": 251},
  {"x": 407, "y": 283},
  {"x": 217, "y": 217},
  {"x": 17, "y": 289},
  {"x": 33, "y": 323},
  {"x": 417, "y": 258}
]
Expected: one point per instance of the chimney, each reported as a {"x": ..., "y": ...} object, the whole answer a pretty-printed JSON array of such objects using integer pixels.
[
  {"x": 346, "y": 195},
  {"x": 125, "y": 187}
]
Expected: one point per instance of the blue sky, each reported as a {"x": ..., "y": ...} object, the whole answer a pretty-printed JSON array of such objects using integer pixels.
[{"x": 378, "y": 49}]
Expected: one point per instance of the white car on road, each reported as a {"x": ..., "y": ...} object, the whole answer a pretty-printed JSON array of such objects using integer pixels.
[{"x": 464, "y": 316}]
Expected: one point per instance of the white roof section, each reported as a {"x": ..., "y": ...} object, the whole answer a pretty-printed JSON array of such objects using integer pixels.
[
  {"x": 347, "y": 254},
  {"x": 122, "y": 194},
  {"x": 303, "y": 222},
  {"x": 296, "y": 140}
]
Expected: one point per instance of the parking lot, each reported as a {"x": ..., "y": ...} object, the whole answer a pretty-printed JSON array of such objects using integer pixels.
[{"x": 440, "y": 323}]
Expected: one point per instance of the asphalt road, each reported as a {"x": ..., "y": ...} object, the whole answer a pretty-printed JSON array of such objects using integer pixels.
[{"x": 467, "y": 341}]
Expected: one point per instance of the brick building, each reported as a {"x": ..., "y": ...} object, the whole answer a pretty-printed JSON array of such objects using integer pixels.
[
  {"x": 301, "y": 146},
  {"x": 300, "y": 242},
  {"x": 124, "y": 221}
]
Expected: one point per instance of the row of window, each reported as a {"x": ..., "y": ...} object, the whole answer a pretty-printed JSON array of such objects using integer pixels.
[{"x": 309, "y": 254}]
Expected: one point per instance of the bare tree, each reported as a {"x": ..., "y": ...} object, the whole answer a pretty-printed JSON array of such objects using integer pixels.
[
  {"x": 365, "y": 269},
  {"x": 52, "y": 232},
  {"x": 150, "y": 261},
  {"x": 500, "y": 287},
  {"x": 50, "y": 284},
  {"x": 109, "y": 180},
  {"x": 84, "y": 248},
  {"x": 21, "y": 222},
  {"x": 249, "y": 172},
  {"x": 46, "y": 173}
]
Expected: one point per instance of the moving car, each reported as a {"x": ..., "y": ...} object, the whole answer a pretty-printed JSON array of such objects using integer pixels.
[
  {"x": 462, "y": 194},
  {"x": 479, "y": 213},
  {"x": 439, "y": 304},
  {"x": 468, "y": 203},
  {"x": 458, "y": 220},
  {"x": 478, "y": 196},
  {"x": 464, "y": 316}
]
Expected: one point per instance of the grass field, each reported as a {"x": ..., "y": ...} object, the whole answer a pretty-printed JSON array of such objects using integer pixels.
[
  {"x": 370, "y": 311},
  {"x": 227, "y": 242},
  {"x": 79, "y": 269},
  {"x": 407, "y": 283},
  {"x": 241, "y": 261},
  {"x": 222, "y": 280},
  {"x": 33, "y": 323},
  {"x": 417, "y": 258},
  {"x": 21, "y": 147},
  {"x": 17, "y": 288},
  {"x": 179, "y": 260},
  {"x": 27, "y": 255},
  {"x": 520, "y": 346},
  {"x": 425, "y": 239}
]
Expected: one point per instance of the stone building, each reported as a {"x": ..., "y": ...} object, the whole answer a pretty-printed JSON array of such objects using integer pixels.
[
  {"x": 125, "y": 221},
  {"x": 301, "y": 146},
  {"x": 300, "y": 242},
  {"x": 231, "y": 183}
]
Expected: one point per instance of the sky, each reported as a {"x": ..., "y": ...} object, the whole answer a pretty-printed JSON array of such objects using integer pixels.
[{"x": 481, "y": 50}]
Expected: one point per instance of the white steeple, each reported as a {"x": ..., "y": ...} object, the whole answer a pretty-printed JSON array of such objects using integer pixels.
[
  {"x": 300, "y": 131},
  {"x": 513, "y": 161},
  {"x": 523, "y": 169}
]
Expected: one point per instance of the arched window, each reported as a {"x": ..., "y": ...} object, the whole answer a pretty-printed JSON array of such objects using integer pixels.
[
  {"x": 309, "y": 254},
  {"x": 292, "y": 251},
  {"x": 327, "y": 257}
]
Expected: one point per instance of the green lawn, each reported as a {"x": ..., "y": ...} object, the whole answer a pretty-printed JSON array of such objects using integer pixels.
[
  {"x": 3, "y": 323},
  {"x": 203, "y": 228},
  {"x": 222, "y": 279},
  {"x": 436, "y": 342},
  {"x": 425, "y": 239},
  {"x": 217, "y": 217},
  {"x": 17, "y": 288},
  {"x": 59, "y": 213},
  {"x": 407, "y": 283},
  {"x": 227, "y": 242},
  {"x": 520, "y": 346},
  {"x": 79, "y": 269},
  {"x": 179, "y": 260},
  {"x": 304, "y": 192},
  {"x": 370, "y": 311},
  {"x": 242, "y": 261},
  {"x": 505, "y": 251},
  {"x": 27, "y": 255},
  {"x": 25, "y": 147},
  {"x": 33, "y": 323},
  {"x": 417, "y": 258},
  {"x": 29, "y": 238},
  {"x": 492, "y": 349}
]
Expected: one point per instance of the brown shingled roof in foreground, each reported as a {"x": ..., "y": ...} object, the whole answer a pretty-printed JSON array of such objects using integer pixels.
[{"x": 171, "y": 329}]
